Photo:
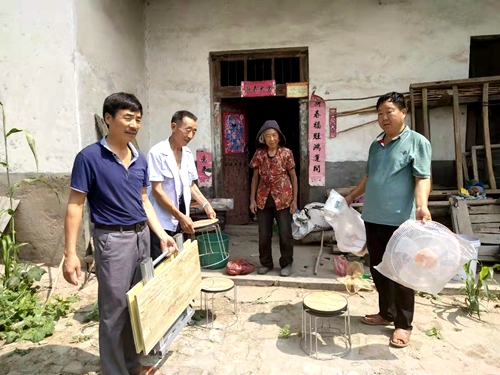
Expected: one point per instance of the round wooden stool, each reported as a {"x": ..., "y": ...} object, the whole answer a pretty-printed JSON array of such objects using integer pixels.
[
  {"x": 214, "y": 256},
  {"x": 212, "y": 286},
  {"x": 320, "y": 322}
]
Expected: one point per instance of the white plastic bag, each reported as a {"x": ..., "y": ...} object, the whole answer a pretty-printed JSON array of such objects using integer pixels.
[
  {"x": 347, "y": 223},
  {"x": 424, "y": 257},
  {"x": 310, "y": 219}
]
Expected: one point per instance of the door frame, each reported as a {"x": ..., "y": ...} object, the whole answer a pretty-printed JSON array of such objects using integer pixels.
[{"x": 218, "y": 93}]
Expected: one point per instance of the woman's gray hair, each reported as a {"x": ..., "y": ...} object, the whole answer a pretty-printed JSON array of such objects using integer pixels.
[{"x": 261, "y": 139}]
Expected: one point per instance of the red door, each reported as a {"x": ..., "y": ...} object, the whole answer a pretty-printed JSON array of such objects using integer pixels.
[{"x": 235, "y": 160}]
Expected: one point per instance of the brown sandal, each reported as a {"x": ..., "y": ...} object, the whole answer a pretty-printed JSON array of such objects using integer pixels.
[
  {"x": 400, "y": 338},
  {"x": 375, "y": 320},
  {"x": 148, "y": 370}
]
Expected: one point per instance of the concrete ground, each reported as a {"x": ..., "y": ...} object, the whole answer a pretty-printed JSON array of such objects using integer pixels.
[
  {"x": 250, "y": 346},
  {"x": 243, "y": 244}
]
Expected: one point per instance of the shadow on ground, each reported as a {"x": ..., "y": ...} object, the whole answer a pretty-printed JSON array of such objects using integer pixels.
[{"x": 48, "y": 360}]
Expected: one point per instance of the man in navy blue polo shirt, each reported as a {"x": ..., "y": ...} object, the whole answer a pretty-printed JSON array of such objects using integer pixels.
[
  {"x": 396, "y": 187},
  {"x": 113, "y": 175}
]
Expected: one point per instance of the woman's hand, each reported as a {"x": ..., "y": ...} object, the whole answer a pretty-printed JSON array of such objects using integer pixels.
[
  {"x": 293, "y": 207},
  {"x": 253, "y": 206}
]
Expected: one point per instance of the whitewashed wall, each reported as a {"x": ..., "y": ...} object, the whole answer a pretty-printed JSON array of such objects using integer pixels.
[
  {"x": 37, "y": 84},
  {"x": 356, "y": 49},
  {"x": 110, "y": 48},
  {"x": 59, "y": 59}
]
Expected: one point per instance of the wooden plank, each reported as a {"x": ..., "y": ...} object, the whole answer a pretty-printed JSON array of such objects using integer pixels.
[
  {"x": 484, "y": 218},
  {"x": 485, "y": 226},
  {"x": 460, "y": 220},
  {"x": 446, "y": 102},
  {"x": 5, "y": 205},
  {"x": 425, "y": 110},
  {"x": 475, "y": 173},
  {"x": 464, "y": 223},
  {"x": 454, "y": 214},
  {"x": 481, "y": 147},
  {"x": 465, "y": 167},
  {"x": 412, "y": 108},
  {"x": 483, "y": 202},
  {"x": 458, "y": 138},
  {"x": 457, "y": 82},
  {"x": 259, "y": 54},
  {"x": 162, "y": 300},
  {"x": 489, "y": 258},
  {"x": 486, "y": 209},
  {"x": 132, "y": 302},
  {"x": 489, "y": 239},
  {"x": 442, "y": 194},
  {"x": 487, "y": 230},
  {"x": 487, "y": 142}
]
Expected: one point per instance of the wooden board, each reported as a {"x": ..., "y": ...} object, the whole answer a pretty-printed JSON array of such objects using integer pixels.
[
  {"x": 458, "y": 139},
  {"x": 491, "y": 218},
  {"x": 326, "y": 302},
  {"x": 465, "y": 167},
  {"x": 486, "y": 209},
  {"x": 485, "y": 226},
  {"x": 489, "y": 230},
  {"x": 483, "y": 202},
  {"x": 163, "y": 299},
  {"x": 488, "y": 239},
  {"x": 412, "y": 103},
  {"x": 200, "y": 224},
  {"x": 132, "y": 303},
  {"x": 460, "y": 217},
  {"x": 457, "y": 82},
  {"x": 487, "y": 142},
  {"x": 216, "y": 284},
  {"x": 5, "y": 205},
  {"x": 475, "y": 172}
]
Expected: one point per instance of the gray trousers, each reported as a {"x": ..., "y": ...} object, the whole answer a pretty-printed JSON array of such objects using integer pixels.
[{"x": 118, "y": 255}]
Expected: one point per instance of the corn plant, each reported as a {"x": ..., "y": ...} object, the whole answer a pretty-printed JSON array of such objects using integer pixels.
[
  {"x": 22, "y": 317},
  {"x": 10, "y": 247},
  {"x": 476, "y": 290}
]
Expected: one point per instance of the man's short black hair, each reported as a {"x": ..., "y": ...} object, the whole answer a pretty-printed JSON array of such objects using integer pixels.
[
  {"x": 395, "y": 97},
  {"x": 120, "y": 100},
  {"x": 179, "y": 116}
]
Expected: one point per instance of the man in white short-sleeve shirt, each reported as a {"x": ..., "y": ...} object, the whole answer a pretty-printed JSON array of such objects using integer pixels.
[{"x": 172, "y": 173}]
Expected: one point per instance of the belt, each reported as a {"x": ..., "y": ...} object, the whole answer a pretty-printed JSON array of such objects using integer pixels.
[{"x": 138, "y": 227}]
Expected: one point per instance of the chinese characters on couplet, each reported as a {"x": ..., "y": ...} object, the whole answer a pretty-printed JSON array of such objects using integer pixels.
[
  {"x": 204, "y": 168},
  {"x": 333, "y": 122},
  {"x": 258, "y": 88},
  {"x": 317, "y": 127}
]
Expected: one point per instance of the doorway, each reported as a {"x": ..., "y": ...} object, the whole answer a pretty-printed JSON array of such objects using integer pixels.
[
  {"x": 245, "y": 116},
  {"x": 255, "y": 112}
]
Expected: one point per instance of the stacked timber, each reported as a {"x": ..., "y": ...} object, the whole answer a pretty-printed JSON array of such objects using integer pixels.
[{"x": 485, "y": 222}]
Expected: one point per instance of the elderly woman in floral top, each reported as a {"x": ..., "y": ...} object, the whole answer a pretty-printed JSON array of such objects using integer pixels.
[{"x": 274, "y": 195}]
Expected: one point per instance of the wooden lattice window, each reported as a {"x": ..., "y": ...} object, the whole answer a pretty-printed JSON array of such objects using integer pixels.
[{"x": 282, "y": 65}]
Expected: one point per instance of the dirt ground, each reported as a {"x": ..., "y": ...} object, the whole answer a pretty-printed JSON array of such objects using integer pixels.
[{"x": 251, "y": 345}]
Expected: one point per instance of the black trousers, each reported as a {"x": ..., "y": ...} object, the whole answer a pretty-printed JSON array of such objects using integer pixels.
[
  {"x": 155, "y": 240},
  {"x": 396, "y": 302},
  {"x": 284, "y": 219}
]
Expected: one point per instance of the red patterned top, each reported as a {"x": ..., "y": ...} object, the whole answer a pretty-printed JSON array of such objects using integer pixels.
[{"x": 274, "y": 177}]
